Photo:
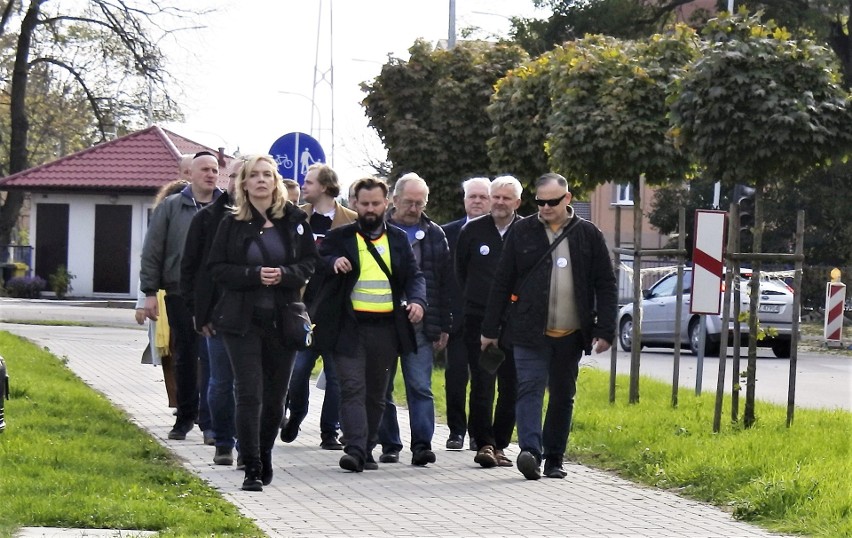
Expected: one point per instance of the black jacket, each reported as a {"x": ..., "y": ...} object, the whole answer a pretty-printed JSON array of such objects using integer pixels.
[
  {"x": 342, "y": 242},
  {"x": 436, "y": 264},
  {"x": 477, "y": 255},
  {"x": 594, "y": 283},
  {"x": 239, "y": 280},
  {"x": 196, "y": 284},
  {"x": 454, "y": 287}
]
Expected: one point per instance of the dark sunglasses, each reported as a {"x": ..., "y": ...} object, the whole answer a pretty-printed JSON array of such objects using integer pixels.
[{"x": 553, "y": 202}]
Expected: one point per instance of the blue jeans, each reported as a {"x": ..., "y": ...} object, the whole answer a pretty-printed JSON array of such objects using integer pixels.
[
  {"x": 220, "y": 392},
  {"x": 555, "y": 366},
  {"x": 298, "y": 395},
  {"x": 417, "y": 374}
]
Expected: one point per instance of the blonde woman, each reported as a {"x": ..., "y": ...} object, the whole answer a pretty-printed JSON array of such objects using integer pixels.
[{"x": 263, "y": 254}]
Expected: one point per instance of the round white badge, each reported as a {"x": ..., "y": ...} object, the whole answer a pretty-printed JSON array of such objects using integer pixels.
[
  {"x": 484, "y": 250},
  {"x": 562, "y": 263},
  {"x": 380, "y": 249},
  {"x": 300, "y": 230},
  {"x": 420, "y": 234}
]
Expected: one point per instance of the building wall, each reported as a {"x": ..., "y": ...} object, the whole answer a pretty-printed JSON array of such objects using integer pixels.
[
  {"x": 604, "y": 216},
  {"x": 81, "y": 233}
]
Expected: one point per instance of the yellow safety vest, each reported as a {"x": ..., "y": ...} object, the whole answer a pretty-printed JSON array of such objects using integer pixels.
[{"x": 372, "y": 291}]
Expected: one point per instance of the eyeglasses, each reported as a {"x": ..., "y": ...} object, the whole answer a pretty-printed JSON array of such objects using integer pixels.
[
  {"x": 553, "y": 202},
  {"x": 411, "y": 203}
]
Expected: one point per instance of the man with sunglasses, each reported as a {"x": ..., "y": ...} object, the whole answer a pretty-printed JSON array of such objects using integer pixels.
[{"x": 556, "y": 273}]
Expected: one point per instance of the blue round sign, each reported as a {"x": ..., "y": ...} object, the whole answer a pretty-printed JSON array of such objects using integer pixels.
[{"x": 294, "y": 153}]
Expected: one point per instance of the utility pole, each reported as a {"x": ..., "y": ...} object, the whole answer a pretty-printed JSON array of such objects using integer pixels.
[{"x": 451, "y": 34}]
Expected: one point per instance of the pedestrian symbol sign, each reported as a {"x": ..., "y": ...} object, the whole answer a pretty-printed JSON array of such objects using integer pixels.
[{"x": 294, "y": 153}]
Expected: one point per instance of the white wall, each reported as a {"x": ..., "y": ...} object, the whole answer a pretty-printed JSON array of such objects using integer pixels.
[{"x": 81, "y": 236}]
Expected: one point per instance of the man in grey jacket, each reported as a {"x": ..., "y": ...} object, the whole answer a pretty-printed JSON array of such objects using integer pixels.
[{"x": 161, "y": 257}]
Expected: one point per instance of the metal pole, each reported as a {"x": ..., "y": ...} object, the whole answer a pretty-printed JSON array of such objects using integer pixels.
[
  {"x": 681, "y": 244},
  {"x": 797, "y": 303},
  {"x": 702, "y": 341},
  {"x": 726, "y": 315},
  {"x": 451, "y": 31},
  {"x": 613, "y": 359}
]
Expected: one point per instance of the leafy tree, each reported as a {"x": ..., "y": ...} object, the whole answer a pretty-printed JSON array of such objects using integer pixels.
[
  {"x": 430, "y": 114},
  {"x": 83, "y": 54},
  {"x": 574, "y": 19},
  {"x": 760, "y": 107}
]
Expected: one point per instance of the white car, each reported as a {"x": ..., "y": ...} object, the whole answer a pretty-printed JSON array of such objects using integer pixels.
[{"x": 775, "y": 311}]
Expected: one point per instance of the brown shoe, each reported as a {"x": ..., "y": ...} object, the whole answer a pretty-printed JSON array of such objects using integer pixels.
[
  {"x": 485, "y": 457},
  {"x": 502, "y": 460}
]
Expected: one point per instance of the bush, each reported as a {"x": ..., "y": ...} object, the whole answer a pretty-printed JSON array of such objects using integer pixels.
[
  {"x": 25, "y": 287},
  {"x": 60, "y": 281}
]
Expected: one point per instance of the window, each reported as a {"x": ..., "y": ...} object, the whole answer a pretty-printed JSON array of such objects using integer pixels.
[{"x": 622, "y": 194}]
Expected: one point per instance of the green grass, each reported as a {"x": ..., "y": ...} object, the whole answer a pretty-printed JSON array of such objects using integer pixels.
[
  {"x": 792, "y": 480},
  {"x": 68, "y": 458}
]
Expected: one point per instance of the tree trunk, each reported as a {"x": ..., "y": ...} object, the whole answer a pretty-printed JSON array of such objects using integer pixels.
[
  {"x": 754, "y": 299},
  {"x": 636, "y": 348},
  {"x": 18, "y": 159}
]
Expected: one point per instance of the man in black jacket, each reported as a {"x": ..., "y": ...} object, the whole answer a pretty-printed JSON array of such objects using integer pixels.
[
  {"x": 477, "y": 202},
  {"x": 478, "y": 250},
  {"x": 363, "y": 316},
  {"x": 563, "y": 303},
  {"x": 200, "y": 291},
  {"x": 429, "y": 244}
]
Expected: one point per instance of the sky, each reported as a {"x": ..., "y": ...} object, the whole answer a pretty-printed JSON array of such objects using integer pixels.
[{"x": 247, "y": 77}]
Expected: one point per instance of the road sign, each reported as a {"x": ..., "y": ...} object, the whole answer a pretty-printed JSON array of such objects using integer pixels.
[
  {"x": 835, "y": 296},
  {"x": 707, "y": 261},
  {"x": 294, "y": 153}
]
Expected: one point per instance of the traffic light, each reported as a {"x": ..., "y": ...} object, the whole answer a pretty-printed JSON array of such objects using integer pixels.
[{"x": 744, "y": 198}]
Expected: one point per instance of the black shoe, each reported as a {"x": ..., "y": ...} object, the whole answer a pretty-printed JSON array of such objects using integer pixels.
[
  {"x": 266, "y": 467},
  {"x": 351, "y": 463},
  {"x": 422, "y": 457},
  {"x": 289, "y": 431},
  {"x": 389, "y": 457},
  {"x": 224, "y": 456},
  {"x": 529, "y": 465},
  {"x": 180, "y": 429},
  {"x": 252, "y": 480},
  {"x": 330, "y": 443},
  {"x": 553, "y": 468},
  {"x": 455, "y": 442},
  {"x": 370, "y": 464}
]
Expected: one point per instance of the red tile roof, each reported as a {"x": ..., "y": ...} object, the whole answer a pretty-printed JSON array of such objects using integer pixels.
[{"x": 142, "y": 161}]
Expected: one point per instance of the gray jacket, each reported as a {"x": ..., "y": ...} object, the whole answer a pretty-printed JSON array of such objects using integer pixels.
[{"x": 163, "y": 246}]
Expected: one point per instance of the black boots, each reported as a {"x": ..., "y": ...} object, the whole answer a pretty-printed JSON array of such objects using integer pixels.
[
  {"x": 253, "y": 481},
  {"x": 266, "y": 467}
]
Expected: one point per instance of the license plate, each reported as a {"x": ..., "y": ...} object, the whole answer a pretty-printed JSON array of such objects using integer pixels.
[{"x": 769, "y": 308}]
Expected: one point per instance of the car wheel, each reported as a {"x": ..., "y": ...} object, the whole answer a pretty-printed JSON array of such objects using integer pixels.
[
  {"x": 782, "y": 349},
  {"x": 711, "y": 349},
  {"x": 625, "y": 333}
]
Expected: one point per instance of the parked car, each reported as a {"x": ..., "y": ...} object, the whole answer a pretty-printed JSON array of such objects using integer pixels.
[{"x": 775, "y": 310}]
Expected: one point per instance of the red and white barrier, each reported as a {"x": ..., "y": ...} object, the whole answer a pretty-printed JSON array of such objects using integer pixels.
[{"x": 835, "y": 297}]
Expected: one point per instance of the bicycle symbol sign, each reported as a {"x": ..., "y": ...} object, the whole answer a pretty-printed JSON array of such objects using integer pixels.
[{"x": 294, "y": 153}]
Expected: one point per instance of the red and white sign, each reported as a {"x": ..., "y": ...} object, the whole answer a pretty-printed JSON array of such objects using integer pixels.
[
  {"x": 707, "y": 255},
  {"x": 835, "y": 297}
]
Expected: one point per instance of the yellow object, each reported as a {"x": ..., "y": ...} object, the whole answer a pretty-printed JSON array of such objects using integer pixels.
[
  {"x": 20, "y": 269},
  {"x": 162, "y": 335},
  {"x": 835, "y": 275},
  {"x": 372, "y": 292}
]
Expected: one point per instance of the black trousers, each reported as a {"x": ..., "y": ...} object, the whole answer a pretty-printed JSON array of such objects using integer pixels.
[
  {"x": 363, "y": 373},
  {"x": 490, "y": 424},
  {"x": 262, "y": 368},
  {"x": 186, "y": 361},
  {"x": 456, "y": 377}
]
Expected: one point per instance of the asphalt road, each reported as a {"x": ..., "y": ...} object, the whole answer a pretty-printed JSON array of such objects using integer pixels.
[{"x": 823, "y": 379}]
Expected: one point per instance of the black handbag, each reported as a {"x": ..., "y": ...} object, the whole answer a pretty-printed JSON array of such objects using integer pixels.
[{"x": 297, "y": 331}]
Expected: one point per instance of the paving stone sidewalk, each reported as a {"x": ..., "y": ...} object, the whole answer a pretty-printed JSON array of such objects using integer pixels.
[{"x": 312, "y": 496}]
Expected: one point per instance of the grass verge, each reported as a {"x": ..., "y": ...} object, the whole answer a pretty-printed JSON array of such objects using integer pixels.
[{"x": 70, "y": 459}]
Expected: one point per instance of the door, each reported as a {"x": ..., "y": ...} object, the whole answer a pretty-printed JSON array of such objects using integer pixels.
[
  {"x": 111, "y": 267},
  {"x": 51, "y": 249}
]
